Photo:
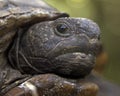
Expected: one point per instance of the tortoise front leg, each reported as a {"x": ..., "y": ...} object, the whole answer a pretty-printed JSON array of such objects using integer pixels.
[{"x": 53, "y": 85}]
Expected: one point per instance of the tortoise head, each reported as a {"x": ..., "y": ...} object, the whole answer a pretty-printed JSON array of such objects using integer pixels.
[{"x": 65, "y": 46}]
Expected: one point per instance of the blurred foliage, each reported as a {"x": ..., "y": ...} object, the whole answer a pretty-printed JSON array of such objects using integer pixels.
[
  {"x": 75, "y": 8},
  {"x": 106, "y": 13}
]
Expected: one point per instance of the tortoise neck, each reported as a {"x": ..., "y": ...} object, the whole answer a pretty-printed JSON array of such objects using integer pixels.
[{"x": 9, "y": 77}]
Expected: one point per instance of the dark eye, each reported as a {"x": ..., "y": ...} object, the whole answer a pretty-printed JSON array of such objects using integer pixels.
[{"x": 62, "y": 30}]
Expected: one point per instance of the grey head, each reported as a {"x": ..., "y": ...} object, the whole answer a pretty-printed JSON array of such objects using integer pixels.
[{"x": 65, "y": 46}]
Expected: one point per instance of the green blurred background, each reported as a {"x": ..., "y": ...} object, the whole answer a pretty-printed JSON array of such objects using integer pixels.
[{"x": 107, "y": 14}]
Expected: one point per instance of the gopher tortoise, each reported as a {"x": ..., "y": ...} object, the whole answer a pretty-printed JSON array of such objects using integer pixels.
[{"x": 35, "y": 39}]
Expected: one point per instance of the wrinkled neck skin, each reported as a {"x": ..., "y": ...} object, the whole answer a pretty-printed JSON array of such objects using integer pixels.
[{"x": 8, "y": 75}]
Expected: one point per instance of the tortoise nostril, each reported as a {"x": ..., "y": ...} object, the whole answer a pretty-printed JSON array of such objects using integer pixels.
[{"x": 99, "y": 37}]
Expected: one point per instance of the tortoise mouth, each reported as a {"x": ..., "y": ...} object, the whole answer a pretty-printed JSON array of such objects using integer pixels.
[
  {"x": 74, "y": 65},
  {"x": 77, "y": 58},
  {"x": 75, "y": 50},
  {"x": 79, "y": 48},
  {"x": 76, "y": 54}
]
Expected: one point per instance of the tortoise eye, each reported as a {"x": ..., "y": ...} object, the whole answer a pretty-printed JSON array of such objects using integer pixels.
[{"x": 62, "y": 30}]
